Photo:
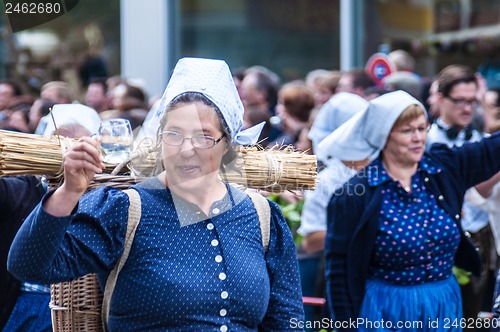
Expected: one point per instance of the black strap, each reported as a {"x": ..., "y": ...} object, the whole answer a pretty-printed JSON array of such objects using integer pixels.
[{"x": 452, "y": 132}]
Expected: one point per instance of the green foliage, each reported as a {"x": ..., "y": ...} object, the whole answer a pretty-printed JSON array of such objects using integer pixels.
[
  {"x": 463, "y": 277},
  {"x": 292, "y": 213}
]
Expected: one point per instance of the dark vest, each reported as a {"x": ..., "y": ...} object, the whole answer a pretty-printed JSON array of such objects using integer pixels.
[{"x": 18, "y": 196}]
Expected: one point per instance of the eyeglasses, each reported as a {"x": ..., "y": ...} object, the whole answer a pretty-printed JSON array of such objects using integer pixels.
[
  {"x": 409, "y": 131},
  {"x": 198, "y": 141},
  {"x": 459, "y": 102}
]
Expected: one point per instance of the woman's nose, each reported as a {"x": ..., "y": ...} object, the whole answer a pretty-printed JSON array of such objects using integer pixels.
[
  {"x": 418, "y": 135},
  {"x": 187, "y": 148}
]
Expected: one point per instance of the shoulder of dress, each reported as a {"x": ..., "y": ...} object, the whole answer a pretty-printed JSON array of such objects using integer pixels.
[{"x": 105, "y": 193}]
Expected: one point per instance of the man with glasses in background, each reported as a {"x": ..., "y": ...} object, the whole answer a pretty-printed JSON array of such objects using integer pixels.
[{"x": 457, "y": 102}]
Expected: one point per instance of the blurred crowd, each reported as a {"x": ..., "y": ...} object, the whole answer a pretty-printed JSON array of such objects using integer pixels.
[
  {"x": 300, "y": 113},
  {"x": 289, "y": 109}
]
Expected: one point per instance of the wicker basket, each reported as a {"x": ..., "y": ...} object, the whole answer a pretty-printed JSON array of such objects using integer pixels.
[{"x": 76, "y": 305}]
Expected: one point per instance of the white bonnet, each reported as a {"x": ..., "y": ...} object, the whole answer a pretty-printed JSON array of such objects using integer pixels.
[
  {"x": 365, "y": 134},
  {"x": 337, "y": 110},
  {"x": 213, "y": 79},
  {"x": 65, "y": 114}
]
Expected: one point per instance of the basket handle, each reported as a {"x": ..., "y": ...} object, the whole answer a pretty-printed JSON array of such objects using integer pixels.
[{"x": 134, "y": 216}]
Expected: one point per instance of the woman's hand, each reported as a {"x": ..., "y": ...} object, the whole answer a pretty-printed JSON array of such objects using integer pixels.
[{"x": 81, "y": 162}]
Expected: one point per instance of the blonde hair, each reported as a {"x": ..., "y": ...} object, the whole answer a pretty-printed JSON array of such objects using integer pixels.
[
  {"x": 402, "y": 60},
  {"x": 62, "y": 90},
  {"x": 329, "y": 80},
  {"x": 409, "y": 114}
]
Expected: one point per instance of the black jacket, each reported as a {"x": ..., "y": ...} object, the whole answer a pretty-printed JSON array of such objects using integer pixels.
[
  {"x": 18, "y": 196},
  {"x": 353, "y": 220}
]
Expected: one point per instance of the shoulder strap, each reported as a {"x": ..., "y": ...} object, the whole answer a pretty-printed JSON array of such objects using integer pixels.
[
  {"x": 134, "y": 216},
  {"x": 264, "y": 212}
]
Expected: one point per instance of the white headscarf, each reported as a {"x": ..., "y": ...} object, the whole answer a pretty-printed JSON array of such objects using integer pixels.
[
  {"x": 337, "y": 110},
  {"x": 213, "y": 79},
  {"x": 65, "y": 114},
  {"x": 365, "y": 134}
]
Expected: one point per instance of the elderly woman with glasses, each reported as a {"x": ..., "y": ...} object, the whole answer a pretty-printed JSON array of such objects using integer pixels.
[
  {"x": 198, "y": 260},
  {"x": 394, "y": 230}
]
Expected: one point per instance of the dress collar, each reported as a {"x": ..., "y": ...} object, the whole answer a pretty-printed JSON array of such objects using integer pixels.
[{"x": 377, "y": 174}]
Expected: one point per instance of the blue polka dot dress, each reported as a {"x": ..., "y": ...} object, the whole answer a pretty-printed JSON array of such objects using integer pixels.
[
  {"x": 410, "y": 276},
  {"x": 186, "y": 271}
]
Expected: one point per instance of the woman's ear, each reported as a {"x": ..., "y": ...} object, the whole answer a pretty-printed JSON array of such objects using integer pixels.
[{"x": 227, "y": 146}]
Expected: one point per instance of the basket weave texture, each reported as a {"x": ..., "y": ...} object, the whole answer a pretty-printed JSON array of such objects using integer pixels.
[{"x": 76, "y": 305}]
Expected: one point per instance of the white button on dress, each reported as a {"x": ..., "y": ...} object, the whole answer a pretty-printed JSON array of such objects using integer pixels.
[
  {"x": 215, "y": 242},
  {"x": 210, "y": 226},
  {"x": 222, "y": 276},
  {"x": 224, "y": 294},
  {"x": 218, "y": 258},
  {"x": 215, "y": 211},
  {"x": 223, "y": 312},
  {"x": 223, "y": 328}
]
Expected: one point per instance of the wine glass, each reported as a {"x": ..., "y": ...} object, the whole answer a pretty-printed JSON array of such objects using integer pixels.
[{"x": 117, "y": 140}]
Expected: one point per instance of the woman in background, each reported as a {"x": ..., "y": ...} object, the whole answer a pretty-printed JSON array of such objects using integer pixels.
[{"x": 391, "y": 244}]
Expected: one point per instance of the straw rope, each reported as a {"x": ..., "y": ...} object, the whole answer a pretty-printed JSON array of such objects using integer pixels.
[
  {"x": 20, "y": 153},
  {"x": 276, "y": 170}
]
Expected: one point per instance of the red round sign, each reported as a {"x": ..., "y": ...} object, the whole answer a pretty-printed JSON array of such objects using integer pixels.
[{"x": 379, "y": 66}]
